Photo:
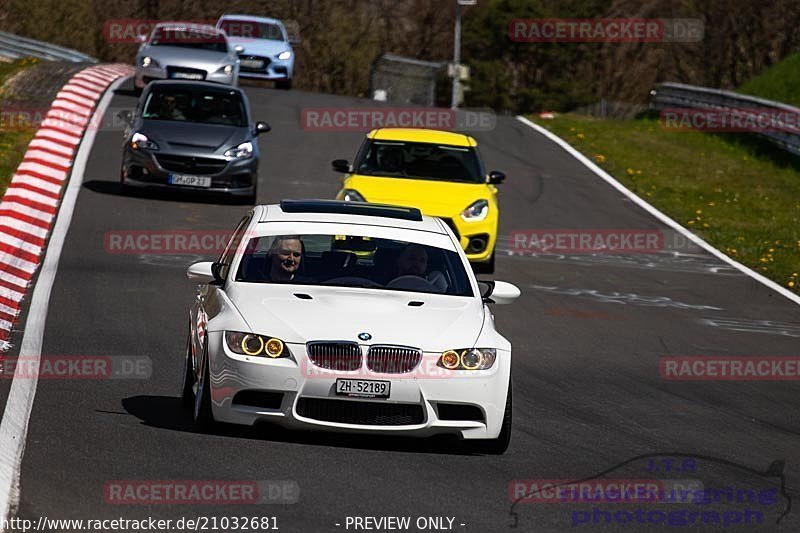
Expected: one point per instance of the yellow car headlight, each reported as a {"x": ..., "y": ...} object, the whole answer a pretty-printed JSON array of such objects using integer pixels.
[
  {"x": 468, "y": 359},
  {"x": 256, "y": 345}
]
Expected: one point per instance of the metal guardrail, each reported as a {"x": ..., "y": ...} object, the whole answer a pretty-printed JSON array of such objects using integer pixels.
[
  {"x": 15, "y": 47},
  {"x": 785, "y": 135}
]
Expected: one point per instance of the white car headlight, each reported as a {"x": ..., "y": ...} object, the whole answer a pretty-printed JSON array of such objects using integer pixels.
[
  {"x": 256, "y": 345},
  {"x": 468, "y": 359},
  {"x": 148, "y": 61},
  {"x": 350, "y": 195},
  {"x": 140, "y": 140},
  {"x": 286, "y": 54},
  {"x": 476, "y": 211},
  {"x": 243, "y": 151},
  {"x": 227, "y": 69}
]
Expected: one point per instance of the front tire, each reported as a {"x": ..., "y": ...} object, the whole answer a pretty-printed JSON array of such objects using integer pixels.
[
  {"x": 499, "y": 445},
  {"x": 187, "y": 395},
  {"x": 284, "y": 85},
  {"x": 202, "y": 417}
]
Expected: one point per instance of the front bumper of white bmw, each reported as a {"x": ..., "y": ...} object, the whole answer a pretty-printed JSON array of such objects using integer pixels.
[{"x": 296, "y": 393}]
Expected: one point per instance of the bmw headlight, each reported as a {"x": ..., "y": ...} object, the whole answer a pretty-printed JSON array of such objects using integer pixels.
[
  {"x": 243, "y": 151},
  {"x": 148, "y": 61},
  {"x": 349, "y": 195},
  {"x": 476, "y": 211},
  {"x": 286, "y": 54},
  {"x": 468, "y": 359},
  {"x": 256, "y": 345},
  {"x": 140, "y": 140}
]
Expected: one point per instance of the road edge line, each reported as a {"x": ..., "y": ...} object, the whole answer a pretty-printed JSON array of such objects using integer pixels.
[
  {"x": 14, "y": 424},
  {"x": 656, "y": 212}
]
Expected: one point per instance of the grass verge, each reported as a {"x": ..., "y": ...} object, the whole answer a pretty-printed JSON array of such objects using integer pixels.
[
  {"x": 738, "y": 195},
  {"x": 14, "y": 134}
]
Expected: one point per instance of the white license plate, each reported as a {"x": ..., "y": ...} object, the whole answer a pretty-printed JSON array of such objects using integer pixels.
[
  {"x": 191, "y": 181},
  {"x": 363, "y": 388},
  {"x": 187, "y": 76},
  {"x": 252, "y": 63}
]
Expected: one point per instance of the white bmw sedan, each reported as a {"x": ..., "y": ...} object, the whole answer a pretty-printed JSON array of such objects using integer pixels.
[{"x": 348, "y": 317}]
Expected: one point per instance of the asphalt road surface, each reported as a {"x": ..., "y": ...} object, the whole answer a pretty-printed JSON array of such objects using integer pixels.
[{"x": 588, "y": 333}]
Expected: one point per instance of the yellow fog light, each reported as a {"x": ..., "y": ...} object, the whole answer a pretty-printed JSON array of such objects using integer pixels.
[{"x": 274, "y": 347}]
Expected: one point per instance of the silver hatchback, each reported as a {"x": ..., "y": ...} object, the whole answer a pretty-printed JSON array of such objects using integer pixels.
[{"x": 182, "y": 51}]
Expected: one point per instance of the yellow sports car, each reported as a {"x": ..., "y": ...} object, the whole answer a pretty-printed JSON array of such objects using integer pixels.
[{"x": 438, "y": 172}]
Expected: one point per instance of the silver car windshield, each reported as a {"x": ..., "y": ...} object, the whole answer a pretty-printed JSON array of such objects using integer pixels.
[
  {"x": 195, "y": 105},
  {"x": 353, "y": 261},
  {"x": 189, "y": 38}
]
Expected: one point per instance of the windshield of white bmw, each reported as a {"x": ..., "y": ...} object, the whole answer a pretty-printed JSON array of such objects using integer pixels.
[
  {"x": 353, "y": 261},
  {"x": 250, "y": 29},
  {"x": 195, "y": 105},
  {"x": 414, "y": 160},
  {"x": 189, "y": 38}
]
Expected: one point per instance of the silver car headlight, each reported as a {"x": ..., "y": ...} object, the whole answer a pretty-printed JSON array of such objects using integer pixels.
[
  {"x": 349, "y": 195},
  {"x": 256, "y": 345},
  {"x": 243, "y": 151},
  {"x": 148, "y": 61},
  {"x": 476, "y": 211},
  {"x": 468, "y": 359},
  {"x": 140, "y": 141},
  {"x": 286, "y": 54},
  {"x": 227, "y": 69}
]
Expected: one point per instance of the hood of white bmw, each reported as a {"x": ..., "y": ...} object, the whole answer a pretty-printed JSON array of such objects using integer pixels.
[{"x": 303, "y": 313}]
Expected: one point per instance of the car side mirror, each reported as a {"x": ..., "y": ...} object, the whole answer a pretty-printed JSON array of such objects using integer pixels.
[
  {"x": 262, "y": 127},
  {"x": 141, "y": 38},
  {"x": 495, "y": 176},
  {"x": 238, "y": 49},
  {"x": 498, "y": 292},
  {"x": 203, "y": 272},
  {"x": 341, "y": 165}
]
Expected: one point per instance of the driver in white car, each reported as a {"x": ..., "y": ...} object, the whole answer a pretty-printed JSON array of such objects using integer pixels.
[{"x": 413, "y": 261}]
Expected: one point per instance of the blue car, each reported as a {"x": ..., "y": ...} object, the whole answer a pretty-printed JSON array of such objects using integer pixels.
[{"x": 267, "y": 54}]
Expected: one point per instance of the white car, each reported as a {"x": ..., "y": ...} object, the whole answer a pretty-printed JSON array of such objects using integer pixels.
[
  {"x": 349, "y": 317},
  {"x": 267, "y": 47}
]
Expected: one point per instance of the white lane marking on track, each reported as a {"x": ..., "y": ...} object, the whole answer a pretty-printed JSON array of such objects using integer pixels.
[
  {"x": 656, "y": 213},
  {"x": 14, "y": 425}
]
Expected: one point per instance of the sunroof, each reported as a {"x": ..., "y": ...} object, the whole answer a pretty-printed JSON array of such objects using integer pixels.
[{"x": 351, "y": 208}]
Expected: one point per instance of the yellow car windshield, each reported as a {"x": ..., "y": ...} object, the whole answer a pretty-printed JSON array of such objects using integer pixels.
[{"x": 414, "y": 160}]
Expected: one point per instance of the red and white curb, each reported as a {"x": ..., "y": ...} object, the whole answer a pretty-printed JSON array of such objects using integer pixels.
[{"x": 31, "y": 202}]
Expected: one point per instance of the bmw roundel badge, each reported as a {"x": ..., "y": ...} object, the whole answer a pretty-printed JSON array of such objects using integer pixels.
[{"x": 364, "y": 336}]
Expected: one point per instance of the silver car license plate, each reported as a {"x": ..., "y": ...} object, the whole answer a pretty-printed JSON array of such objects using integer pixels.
[
  {"x": 191, "y": 181},
  {"x": 363, "y": 388},
  {"x": 187, "y": 76}
]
